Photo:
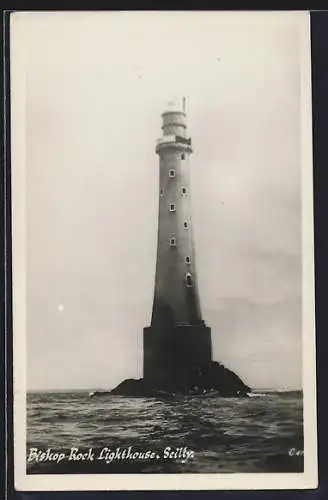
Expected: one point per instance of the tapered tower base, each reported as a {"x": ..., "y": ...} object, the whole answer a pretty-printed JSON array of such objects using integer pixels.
[
  {"x": 172, "y": 355},
  {"x": 178, "y": 360}
]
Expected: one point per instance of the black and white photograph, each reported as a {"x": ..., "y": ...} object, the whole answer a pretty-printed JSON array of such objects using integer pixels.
[{"x": 162, "y": 229}]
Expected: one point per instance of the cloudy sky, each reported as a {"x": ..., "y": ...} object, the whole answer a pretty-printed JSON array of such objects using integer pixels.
[{"x": 97, "y": 84}]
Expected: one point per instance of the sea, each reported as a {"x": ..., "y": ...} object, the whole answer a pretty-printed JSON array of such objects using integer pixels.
[{"x": 81, "y": 433}]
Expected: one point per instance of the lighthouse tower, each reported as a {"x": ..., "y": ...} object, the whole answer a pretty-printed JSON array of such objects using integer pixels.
[
  {"x": 178, "y": 342},
  {"x": 177, "y": 345}
]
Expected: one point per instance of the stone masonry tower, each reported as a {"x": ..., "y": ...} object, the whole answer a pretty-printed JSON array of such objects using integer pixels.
[{"x": 178, "y": 342}]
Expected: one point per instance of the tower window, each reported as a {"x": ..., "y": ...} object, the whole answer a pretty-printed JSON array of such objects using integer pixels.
[
  {"x": 185, "y": 224},
  {"x": 172, "y": 173},
  {"x": 172, "y": 207},
  {"x": 183, "y": 156},
  {"x": 187, "y": 260},
  {"x": 173, "y": 242},
  {"x": 161, "y": 193},
  {"x": 183, "y": 190},
  {"x": 189, "y": 282}
]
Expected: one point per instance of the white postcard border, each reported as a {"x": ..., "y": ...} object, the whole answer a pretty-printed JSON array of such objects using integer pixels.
[{"x": 307, "y": 479}]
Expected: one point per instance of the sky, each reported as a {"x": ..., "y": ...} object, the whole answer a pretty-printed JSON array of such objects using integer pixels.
[{"x": 96, "y": 85}]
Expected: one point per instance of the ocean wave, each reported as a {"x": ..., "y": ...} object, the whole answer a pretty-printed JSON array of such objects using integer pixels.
[{"x": 227, "y": 434}]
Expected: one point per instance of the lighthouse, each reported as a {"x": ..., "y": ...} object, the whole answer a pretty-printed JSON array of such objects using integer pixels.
[
  {"x": 177, "y": 342},
  {"x": 177, "y": 346}
]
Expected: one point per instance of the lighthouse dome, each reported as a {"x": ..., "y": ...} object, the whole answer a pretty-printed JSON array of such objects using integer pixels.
[
  {"x": 172, "y": 106},
  {"x": 174, "y": 122}
]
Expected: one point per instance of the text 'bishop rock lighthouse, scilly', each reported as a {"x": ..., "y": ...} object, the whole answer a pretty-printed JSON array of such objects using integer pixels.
[{"x": 177, "y": 346}]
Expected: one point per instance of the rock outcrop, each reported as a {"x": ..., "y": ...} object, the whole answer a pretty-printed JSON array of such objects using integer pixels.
[{"x": 211, "y": 379}]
